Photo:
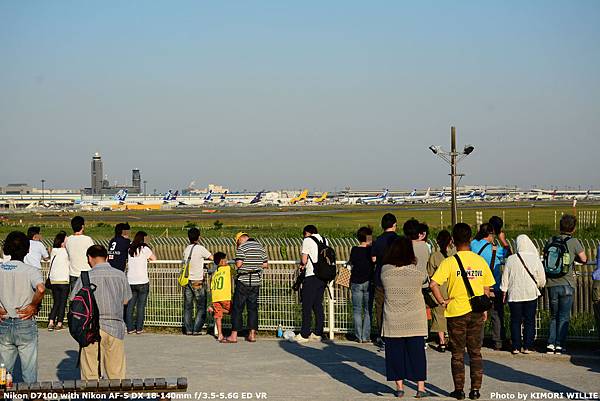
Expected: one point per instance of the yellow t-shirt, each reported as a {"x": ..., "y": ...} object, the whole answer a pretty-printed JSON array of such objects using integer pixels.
[
  {"x": 479, "y": 275},
  {"x": 220, "y": 285}
]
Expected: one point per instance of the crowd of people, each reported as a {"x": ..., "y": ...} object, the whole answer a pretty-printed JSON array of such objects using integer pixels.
[{"x": 465, "y": 282}]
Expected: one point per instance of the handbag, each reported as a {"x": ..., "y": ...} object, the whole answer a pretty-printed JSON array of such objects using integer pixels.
[
  {"x": 429, "y": 298},
  {"x": 48, "y": 283},
  {"x": 343, "y": 276},
  {"x": 480, "y": 303},
  {"x": 184, "y": 274}
]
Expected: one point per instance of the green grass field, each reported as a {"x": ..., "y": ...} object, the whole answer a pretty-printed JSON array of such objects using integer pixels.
[{"x": 539, "y": 220}]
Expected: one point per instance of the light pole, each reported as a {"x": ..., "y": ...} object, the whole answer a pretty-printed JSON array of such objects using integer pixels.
[
  {"x": 145, "y": 182},
  {"x": 43, "y": 181},
  {"x": 452, "y": 158}
]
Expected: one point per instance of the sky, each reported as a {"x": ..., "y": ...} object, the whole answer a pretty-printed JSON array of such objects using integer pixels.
[{"x": 312, "y": 94}]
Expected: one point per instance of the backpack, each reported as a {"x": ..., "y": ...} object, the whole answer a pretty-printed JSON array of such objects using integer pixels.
[
  {"x": 84, "y": 317},
  {"x": 557, "y": 259},
  {"x": 324, "y": 267}
]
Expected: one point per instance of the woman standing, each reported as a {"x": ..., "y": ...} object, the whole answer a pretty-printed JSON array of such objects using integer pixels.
[
  {"x": 438, "y": 320},
  {"x": 522, "y": 278},
  {"x": 137, "y": 275},
  {"x": 361, "y": 276},
  {"x": 404, "y": 317},
  {"x": 59, "y": 278}
]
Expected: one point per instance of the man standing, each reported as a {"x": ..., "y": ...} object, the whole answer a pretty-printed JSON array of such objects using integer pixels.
[
  {"x": 118, "y": 247},
  {"x": 380, "y": 246},
  {"x": 37, "y": 250},
  {"x": 596, "y": 292},
  {"x": 250, "y": 259},
  {"x": 464, "y": 325},
  {"x": 313, "y": 288},
  {"x": 21, "y": 292},
  {"x": 112, "y": 293},
  {"x": 562, "y": 289},
  {"x": 77, "y": 246},
  {"x": 194, "y": 294}
]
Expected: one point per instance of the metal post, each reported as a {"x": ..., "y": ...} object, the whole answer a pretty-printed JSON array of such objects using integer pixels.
[
  {"x": 331, "y": 310},
  {"x": 454, "y": 205},
  {"x": 43, "y": 181}
]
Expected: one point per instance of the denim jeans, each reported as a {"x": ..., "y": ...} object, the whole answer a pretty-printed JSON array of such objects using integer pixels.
[
  {"x": 20, "y": 337},
  {"x": 60, "y": 293},
  {"x": 139, "y": 296},
  {"x": 194, "y": 296},
  {"x": 522, "y": 313},
  {"x": 561, "y": 301},
  {"x": 244, "y": 295},
  {"x": 362, "y": 305}
]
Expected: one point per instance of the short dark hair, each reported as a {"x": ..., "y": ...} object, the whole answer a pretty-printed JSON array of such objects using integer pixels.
[
  {"x": 193, "y": 234},
  {"x": 568, "y": 223},
  {"x": 310, "y": 229},
  {"x": 77, "y": 223},
  {"x": 400, "y": 253},
  {"x": 443, "y": 240},
  {"x": 97, "y": 251},
  {"x": 363, "y": 233},
  {"x": 31, "y": 231},
  {"x": 120, "y": 227},
  {"x": 59, "y": 239},
  {"x": 388, "y": 220},
  {"x": 497, "y": 223},
  {"x": 218, "y": 257},
  {"x": 16, "y": 245},
  {"x": 461, "y": 234},
  {"x": 485, "y": 230},
  {"x": 424, "y": 228},
  {"x": 412, "y": 228}
]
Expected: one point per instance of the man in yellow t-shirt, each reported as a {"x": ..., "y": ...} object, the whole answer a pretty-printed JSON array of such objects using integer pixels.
[
  {"x": 464, "y": 325},
  {"x": 220, "y": 287}
]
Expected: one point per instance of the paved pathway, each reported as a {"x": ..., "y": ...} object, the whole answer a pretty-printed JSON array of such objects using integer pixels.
[{"x": 318, "y": 371}]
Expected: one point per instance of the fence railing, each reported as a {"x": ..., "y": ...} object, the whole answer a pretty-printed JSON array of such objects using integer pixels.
[{"x": 279, "y": 305}]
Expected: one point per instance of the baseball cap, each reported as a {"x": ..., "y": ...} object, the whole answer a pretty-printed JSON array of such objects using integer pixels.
[{"x": 239, "y": 235}]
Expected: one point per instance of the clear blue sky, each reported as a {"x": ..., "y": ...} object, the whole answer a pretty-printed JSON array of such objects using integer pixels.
[{"x": 271, "y": 94}]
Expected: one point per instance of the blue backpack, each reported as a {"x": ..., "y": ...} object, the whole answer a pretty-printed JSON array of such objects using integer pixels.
[{"x": 557, "y": 259}]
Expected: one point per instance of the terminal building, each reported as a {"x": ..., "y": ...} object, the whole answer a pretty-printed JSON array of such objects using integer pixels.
[{"x": 101, "y": 186}]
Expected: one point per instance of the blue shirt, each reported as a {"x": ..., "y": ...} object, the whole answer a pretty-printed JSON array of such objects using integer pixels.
[
  {"x": 596, "y": 273},
  {"x": 477, "y": 245}
]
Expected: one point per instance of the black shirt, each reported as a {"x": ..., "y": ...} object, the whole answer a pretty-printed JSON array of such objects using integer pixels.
[
  {"x": 117, "y": 252},
  {"x": 379, "y": 249},
  {"x": 362, "y": 265}
]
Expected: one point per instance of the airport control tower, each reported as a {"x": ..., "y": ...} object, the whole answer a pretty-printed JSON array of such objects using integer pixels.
[
  {"x": 136, "y": 180},
  {"x": 97, "y": 176}
]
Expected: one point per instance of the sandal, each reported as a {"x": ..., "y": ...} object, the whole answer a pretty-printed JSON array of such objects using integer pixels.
[{"x": 227, "y": 341}]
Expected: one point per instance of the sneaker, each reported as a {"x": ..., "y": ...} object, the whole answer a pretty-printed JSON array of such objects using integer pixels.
[
  {"x": 474, "y": 394},
  {"x": 300, "y": 340},
  {"x": 550, "y": 349},
  {"x": 515, "y": 351},
  {"x": 527, "y": 351},
  {"x": 558, "y": 350},
  {"x": 139, "y": 331},
  {"x": 458, "y": 394},
  {"x": 314, "y": 337},
  {"x": 59, "y": 327},
  {"x": 51, "y": 327}
]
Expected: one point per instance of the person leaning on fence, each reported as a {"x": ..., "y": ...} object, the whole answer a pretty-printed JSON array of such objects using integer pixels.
[
  {"x": 404, "y": 317},
  {"x": 76, "y": 245},
  {"x": 137, "y": 276},
  {"x": 438, "y": 320},
  {"x": 118, "y": 247},
  {"x": 361, "y": 276},
  {"x": 250, "y": 260},
  {"x": 194, "y": 293},
  {"x": 464, "y": 325},
  {"x": 561, "y": 290},
  {"x": 21, "y": 292},
  {"x": 111, "y": 293},
  {"x": 522, "y": 278},
  {"x": 220, "y": 290},
  {"x": 37, "y": 250},
  {"x": 59, "y": 280},
  {"x": 313, "y": 288},
  {"x": 380, "y": 247}
]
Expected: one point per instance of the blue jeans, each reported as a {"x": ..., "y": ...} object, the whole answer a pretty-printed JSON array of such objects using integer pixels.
[
  {"x": 362, "y": 305},
  {"x": 522, "y": 313},
  {"x": 139, "y": 297},
  {"x": 244, "y": 296},
  {"x": 194, "y": 296},
  {"x": 20, "y": 337},
  {"x": 561, "y": 301}
]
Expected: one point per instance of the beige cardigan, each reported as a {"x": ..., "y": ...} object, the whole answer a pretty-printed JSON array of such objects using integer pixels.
[{"x": 404, "y": 312}]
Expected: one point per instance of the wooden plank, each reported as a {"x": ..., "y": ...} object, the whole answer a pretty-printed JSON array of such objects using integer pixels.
[
  {"x": 57, "y": 386},
  {"x": 46, "y": 386},
  {"x": 22, "y": 387},
  {"x": 149, "y": 384},
  {"x": 103, "y": 385},
  {"x": 70, "y": 385},
  {"x": 171, "y": 383},
  {"x": 160, "y": 383},
  {"x": 138, "y": 384},
  {"x": 90, "y": 385},
  {"x": 114, "y": 384},
  {"x": 126, "y": 384},
  {"x": 34, "y": 386},
  {"x": 182, "y": 383}
]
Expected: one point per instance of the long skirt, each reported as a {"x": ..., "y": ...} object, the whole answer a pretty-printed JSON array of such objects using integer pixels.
[{"x": 405, "y": 358}]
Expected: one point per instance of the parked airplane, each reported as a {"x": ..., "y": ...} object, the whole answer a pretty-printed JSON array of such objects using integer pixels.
[
  {"x": 118, "y": 199},
  {"x": 412, "y": 197},
  {"x": 321, "y": 198},
  {"x": 300, "y": 198},
  {"x": 257, "y": 199},
  {"x": 381, "y": 198}
]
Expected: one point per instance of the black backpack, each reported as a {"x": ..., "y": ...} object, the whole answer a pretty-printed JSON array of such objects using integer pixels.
[
  {"x": 324, "y": 267},
  {"x": 84, "y": 317}
]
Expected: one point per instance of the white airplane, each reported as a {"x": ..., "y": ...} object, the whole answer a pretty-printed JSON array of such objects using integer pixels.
[
  {"x": 375, "y": 199},
  {"x": 118, "y": 199},
  {"x": 412, "y": 197}
]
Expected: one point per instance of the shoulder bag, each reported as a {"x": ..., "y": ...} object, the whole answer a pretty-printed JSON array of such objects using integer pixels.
[{"x": 480, "y": 303}]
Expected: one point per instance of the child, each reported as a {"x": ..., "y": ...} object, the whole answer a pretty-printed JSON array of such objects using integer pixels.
[{"x": 220, "y": 286}]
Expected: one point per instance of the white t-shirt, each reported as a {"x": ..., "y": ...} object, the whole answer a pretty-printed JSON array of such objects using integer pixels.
[
  {"x": 37, "y": 252},
  {"x": 310, "y": 248},
  {"x": 59, "y": 266},
  {"x": 137, "y": 266},
  {"x": 77, "y": 246},
  {"x": 197, "y": 261}
]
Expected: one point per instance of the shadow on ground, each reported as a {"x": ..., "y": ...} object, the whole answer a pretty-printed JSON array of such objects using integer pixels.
[{"x": 67, "y": 368}]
